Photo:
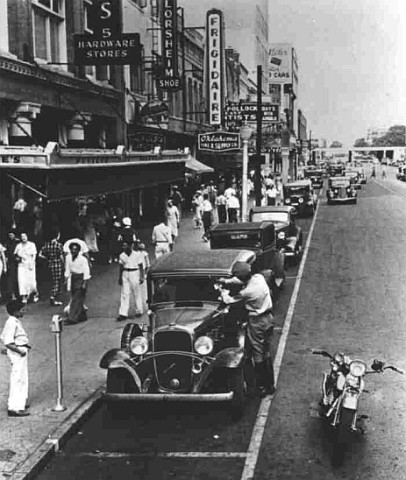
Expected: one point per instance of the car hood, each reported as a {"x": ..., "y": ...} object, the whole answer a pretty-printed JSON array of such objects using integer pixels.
[{"x": 191, "y": 317}]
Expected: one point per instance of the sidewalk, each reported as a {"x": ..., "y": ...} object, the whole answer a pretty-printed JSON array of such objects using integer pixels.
[{"x": 27, "y": 442}]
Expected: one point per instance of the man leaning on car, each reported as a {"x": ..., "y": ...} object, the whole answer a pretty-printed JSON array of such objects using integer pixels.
[{"x": 256, "y": 298}]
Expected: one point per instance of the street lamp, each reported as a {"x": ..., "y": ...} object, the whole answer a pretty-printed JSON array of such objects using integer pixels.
[{"x": 245, "y": 133}]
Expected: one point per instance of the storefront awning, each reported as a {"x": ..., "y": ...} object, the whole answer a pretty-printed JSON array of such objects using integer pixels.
[{"x": 198, "y": 167}]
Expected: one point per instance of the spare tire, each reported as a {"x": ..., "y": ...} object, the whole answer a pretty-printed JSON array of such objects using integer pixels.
[{"x": 131, "y": 330}]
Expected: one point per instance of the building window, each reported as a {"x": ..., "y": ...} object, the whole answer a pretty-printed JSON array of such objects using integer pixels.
[{"x": 49, "y": 24}]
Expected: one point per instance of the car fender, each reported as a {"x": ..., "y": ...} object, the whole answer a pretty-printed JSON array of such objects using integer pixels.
[
  {"x": 118, "y": 359},
  {"x": 114, "y": 355}
]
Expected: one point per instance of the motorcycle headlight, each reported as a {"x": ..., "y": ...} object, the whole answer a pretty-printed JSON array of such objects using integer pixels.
[
  {"x": 358, "y": 368},
  {"x": 281, "y": 235},
  {"x": 204, "y": 345},
  {"x": 300, "y": 200},
  {"x": 139, "y": 345},
  {"x": 287, "y": 200}
]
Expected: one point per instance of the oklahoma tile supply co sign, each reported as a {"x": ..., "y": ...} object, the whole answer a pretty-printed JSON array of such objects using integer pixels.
[
  {"x": 169, "y": 80},
  {"x": 280, "y": 63},
  {"x": 219, "y": 142},
  {"x": 215, "y": 65},
  {"x": 247, "y": 112},
  {"x": 105, "y": 44}
]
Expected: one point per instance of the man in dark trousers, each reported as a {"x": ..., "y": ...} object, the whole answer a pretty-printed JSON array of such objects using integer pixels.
[{"x": 256, "y": 298}]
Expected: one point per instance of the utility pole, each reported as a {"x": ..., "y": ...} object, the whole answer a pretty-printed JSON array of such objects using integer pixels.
[{"x": 257, "y": 179}]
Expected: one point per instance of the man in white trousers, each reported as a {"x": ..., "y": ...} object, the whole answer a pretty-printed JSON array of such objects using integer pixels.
[
  {"x": 16, "y": 341},
  {"x": 131, "y": 278},
  {"x": 162, "y": 238}
]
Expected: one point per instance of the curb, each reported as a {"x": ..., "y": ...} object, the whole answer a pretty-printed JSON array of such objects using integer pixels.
[{"x": 37, "y": 461}]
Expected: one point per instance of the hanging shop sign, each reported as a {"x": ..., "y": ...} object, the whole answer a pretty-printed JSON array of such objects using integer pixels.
[
  {"x": 247, "y": 112},
  {"x": 103, "y": 18},
  {"x": 215, "y": 66},
  {"x": 123, "y": 50},
  {"x": 146, "y": 141},
  {"x": 219, "y": 141},
  {"x": 280, "y": 63},
  {"x": 169, "y": 80}
]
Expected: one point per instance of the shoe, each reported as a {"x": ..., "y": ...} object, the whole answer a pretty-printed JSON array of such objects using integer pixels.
[
  {"x": 85, "y": 308},
  {"x": 27, "y": 406},
  {"x": 110, "y": 261},
  {"x": 121, "y": 318},
  {"x": 18, "y": 413},
  {"x": 265, "y": 391},
  {"x": 54, "y": 303},
  {"x": 36, "y": 299}
]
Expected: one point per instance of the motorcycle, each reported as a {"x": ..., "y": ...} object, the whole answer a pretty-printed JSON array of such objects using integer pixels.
[{"x": 342, "y": 387}]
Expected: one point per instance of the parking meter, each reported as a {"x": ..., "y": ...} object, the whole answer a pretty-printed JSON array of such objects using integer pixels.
[{"x": 56, "y": 324}]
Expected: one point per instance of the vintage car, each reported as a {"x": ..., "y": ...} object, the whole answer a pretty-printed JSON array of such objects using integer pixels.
[
  {"x": 341, "y": 190},
  {"x": 260, "y": 238},
  {"x": 401, "y": 173},
  {"x": 362, "y": 175},
  {"x": 316, "y": 176},
  {"x": 289, "y": 236},
  {"x": 300, "y": 194},
  {"x": 354, "y": 177},
  {"x": 335, "y": 170},
  {"x": 194, "y": 346}
]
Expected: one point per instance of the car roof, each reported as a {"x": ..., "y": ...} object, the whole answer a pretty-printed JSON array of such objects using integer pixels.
[
  {"x": 272, "y": 208},
  {"x": 200, "y": 263},
  {"x": 299, "y": 183},
  {"x": 246, "y": 226}
]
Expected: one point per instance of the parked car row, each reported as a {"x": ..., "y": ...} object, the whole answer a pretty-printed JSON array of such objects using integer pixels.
[{"x": 401, "y": 173}]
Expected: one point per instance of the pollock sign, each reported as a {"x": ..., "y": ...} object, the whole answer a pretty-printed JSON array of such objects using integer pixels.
[
  {"x": 215, "y": 65},
  {"x": 169, "y": 80}
]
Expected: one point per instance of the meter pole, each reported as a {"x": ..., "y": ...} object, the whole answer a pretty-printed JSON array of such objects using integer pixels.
[{"x": 57, "y": 330}]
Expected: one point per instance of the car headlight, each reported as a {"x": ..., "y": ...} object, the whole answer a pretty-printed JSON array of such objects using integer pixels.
[
  {"x": 358, "y": 368},
  {"x": 287, "y": 200},
  {"x": 139, "y": 345},
  {"x": 281, "y": 235},
  {"x": 204, "y": 345},
  {"x": 300, "y": 200},
  {"x": 336, "y": 191}
]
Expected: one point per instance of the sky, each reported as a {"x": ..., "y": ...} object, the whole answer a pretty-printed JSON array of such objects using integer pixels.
[{"x": 352, "y": 62}]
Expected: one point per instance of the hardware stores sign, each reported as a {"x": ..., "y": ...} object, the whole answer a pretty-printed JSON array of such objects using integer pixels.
[
  {"x": 104, "y": 43},
  {"x": 247, "y": 112},
  {"x": 219, "y": 141}
]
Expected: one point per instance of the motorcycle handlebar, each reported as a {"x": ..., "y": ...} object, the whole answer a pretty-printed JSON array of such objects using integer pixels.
[{"x": 321, "y": 352}]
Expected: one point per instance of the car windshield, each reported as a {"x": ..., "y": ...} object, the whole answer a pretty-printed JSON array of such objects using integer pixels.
[
  {"x": 296, "y": 190},
  {"x": 340, "y": 182},
  {"x": 172, "y": 289},
  {"x": 187, "y": 315},
  {"x": 313, "y": 173},
  {"x": 270, "y": 217}
]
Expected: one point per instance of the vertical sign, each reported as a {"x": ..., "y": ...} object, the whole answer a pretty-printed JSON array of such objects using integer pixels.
[
  {"x": 104, "y": 18},
  {"x": 169, "y": 80},
  {"x": 215, "y": 66}
]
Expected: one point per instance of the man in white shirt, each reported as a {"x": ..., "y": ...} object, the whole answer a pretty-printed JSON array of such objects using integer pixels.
[
  {"x": 233, "y": 205},
  {"x": 271, "y": 194},
  {"x": 162, "y": 238},
  {"x": 228, "y": 192},
  {"x": 131, "y": 277},
  {"x": 16, "y": 341}
]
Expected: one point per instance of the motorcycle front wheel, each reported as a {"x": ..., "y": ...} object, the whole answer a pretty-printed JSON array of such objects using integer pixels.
[{"x": 342, "y": 435}]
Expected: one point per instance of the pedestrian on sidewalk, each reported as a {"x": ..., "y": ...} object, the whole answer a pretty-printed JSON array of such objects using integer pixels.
[
  {"x": 127, "y": 232},
  {"x": 161, "y": 238},
  {"x": 271, "y": 194},
  {"x": 146, "y": 264},
  {"x": 16, "y": 341},
  {"x": 12, "y": 279},
  {"x": 197, "y": 208},
  {"x": 77, "y": 275},
  {"x": 172, "y": 219},
  {"x": 52, "y": 252},
  {"x": 221, "y": 202},
  {"x": 373, "y": 173},
  {"x": 26, "y": 254},
  {"x": 131, "y": 277},
  {"x": 207, "y": 209},
  {"x": 3, "y": 264},
  {"x": 178, "y": 199},
  {"x": 233, "y": 205},
  {"x": 383, "y": 172}
]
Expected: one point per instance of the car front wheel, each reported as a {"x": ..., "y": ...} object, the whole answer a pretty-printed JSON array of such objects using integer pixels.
[{"x": 236, "y": 383}]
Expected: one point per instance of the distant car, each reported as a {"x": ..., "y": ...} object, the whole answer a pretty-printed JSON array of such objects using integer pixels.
[
  {"x": 300, "y": 194},
  {"x": 341, "y": 190},
  {"x": 335, "y": 170},
  {"x": 316, "y": 176},
  {"x": 354, "y": 176},
  {"x": 401, "y": 173},
  {"x": 194, "y": 346},
  {"x": 289, "y": 236},
  {"x": 260, "y": 238}
]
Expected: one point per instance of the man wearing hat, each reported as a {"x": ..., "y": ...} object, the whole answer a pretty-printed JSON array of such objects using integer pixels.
[
  {"x": 256, "y": 298},
  {"x": 162, "y": 238},
  {"x": 127, "y": 233}
]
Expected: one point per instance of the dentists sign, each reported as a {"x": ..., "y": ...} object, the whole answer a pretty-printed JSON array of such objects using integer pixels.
[
  {"x": 215, "y": 66},
  {"x": 169, "y": 80}
]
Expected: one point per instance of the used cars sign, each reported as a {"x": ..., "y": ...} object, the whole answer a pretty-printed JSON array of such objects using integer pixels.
[{"x": 219, "y": 141}]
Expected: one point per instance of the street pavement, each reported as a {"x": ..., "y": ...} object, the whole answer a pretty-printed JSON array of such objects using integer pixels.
[{"x": 25, "y": 441}]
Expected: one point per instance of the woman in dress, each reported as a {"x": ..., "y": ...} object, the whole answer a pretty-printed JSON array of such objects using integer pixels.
[
  {"x": 25, "y": 254},
  {"x": 77, "y": 274},
  {"x": 172, "y": 217}
]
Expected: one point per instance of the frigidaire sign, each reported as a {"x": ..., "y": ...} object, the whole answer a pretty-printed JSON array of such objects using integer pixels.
[
  {"x": 215, "y": 66},
  {"x": 105, "y": 44},
  {"x": 169, "y": 80},
  {"x": 219, "y": 141}
]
